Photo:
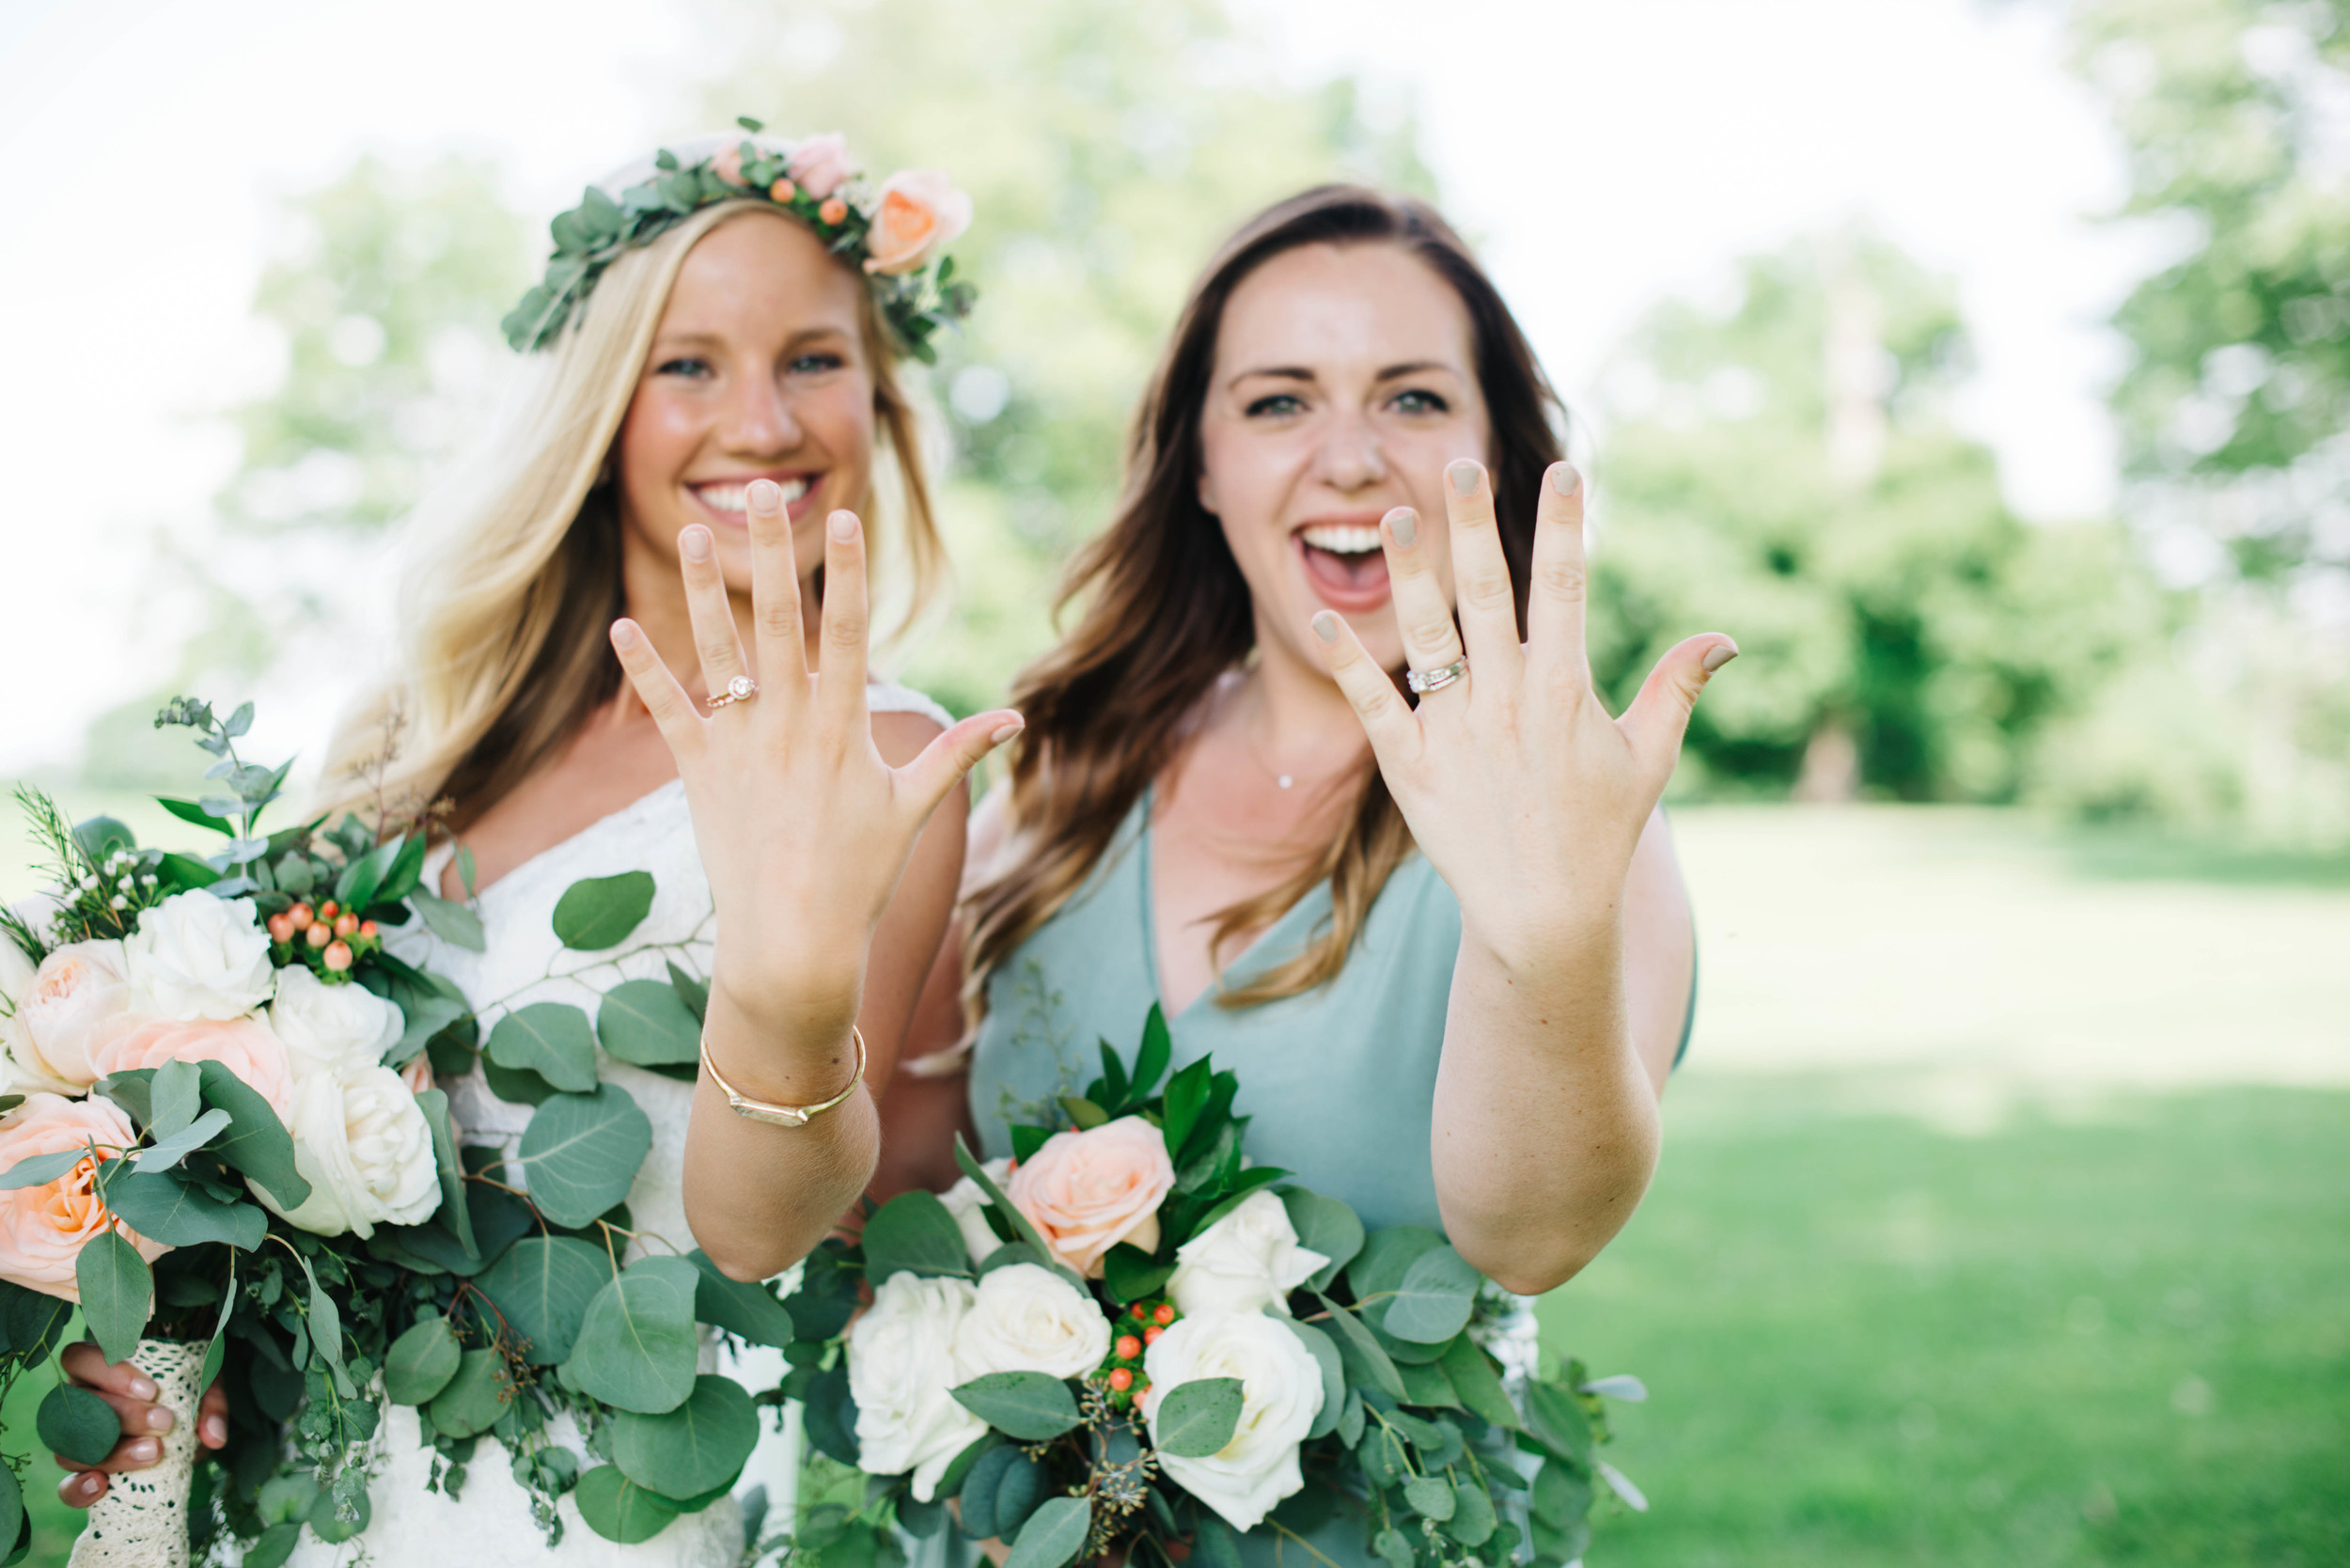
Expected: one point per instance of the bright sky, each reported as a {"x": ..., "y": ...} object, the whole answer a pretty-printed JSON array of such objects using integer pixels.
[{"x": 1604, "y": 153}]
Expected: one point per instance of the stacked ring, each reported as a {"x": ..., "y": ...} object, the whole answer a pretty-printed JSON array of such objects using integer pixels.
[
  {"x": 741, "y": 689},
  {"x": 1422, "y": 683}
]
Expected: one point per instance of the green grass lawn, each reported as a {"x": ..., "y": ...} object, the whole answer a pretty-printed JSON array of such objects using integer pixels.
[{"x": 2123, "y": 1341}]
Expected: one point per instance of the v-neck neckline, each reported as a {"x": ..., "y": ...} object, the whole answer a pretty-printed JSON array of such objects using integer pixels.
[{"x": 1150, "y": 924}]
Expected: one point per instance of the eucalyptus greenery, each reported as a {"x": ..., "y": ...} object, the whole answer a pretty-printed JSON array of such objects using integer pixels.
[{"x": 591, "y": 236}]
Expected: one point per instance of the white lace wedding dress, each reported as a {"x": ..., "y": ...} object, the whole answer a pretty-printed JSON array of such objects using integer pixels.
[{"x": 488, "y": 1524}]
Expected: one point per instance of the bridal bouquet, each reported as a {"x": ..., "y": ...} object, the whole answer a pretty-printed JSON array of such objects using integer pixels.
[{"x": 1127, "y": 1336}]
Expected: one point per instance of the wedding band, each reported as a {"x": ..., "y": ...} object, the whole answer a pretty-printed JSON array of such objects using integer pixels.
[
  {"x": 741, "y": 689},
  {"x": 1435, "y": 679}
]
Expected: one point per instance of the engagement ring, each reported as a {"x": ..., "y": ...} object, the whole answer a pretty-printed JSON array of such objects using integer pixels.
[
  {"x": 1435, "y": 679},
  {"x": 741, "y": 689}
]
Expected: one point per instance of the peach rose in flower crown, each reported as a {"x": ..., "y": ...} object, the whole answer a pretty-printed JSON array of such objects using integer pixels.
[
  {"x": 820, "y": 165},
  {"x": 43, "y": 1228},
  {"x": 727, "y": 163},
  {"x": 243, "y": 1046},
  {"x": 919, "y": 211},
  {"x": 1087, "y": 1192}
]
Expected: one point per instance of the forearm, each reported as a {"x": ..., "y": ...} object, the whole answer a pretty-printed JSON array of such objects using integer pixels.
[{"x": 1546, "y": 1126}]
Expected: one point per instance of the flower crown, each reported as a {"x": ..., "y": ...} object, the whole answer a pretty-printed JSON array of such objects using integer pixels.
[{"x": 896, "y": 231}]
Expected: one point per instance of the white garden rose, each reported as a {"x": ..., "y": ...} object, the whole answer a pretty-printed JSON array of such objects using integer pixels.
[
  {"x": 362, "y": 1144},
  {"x": 58, "y": 1010},
  {"x": 331, "y": 1025},
  {"x": 22, "y": 1070},
  {"x": 902, "y": 1370},
  {"x": 195, "y": 956},
  {"x": 1029, "y": 1319},
  {"x": 967, "y": 1202},
  {"x": 1248, "y": 1262},
  {"x": 1281, "y": 1395}
]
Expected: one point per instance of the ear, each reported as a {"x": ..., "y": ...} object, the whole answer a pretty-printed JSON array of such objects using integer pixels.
[{"x": 1207, "y": 497}]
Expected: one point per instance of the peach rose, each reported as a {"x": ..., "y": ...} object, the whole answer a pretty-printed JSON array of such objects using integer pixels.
[
  {"x": 417, "y": 1074},
  {"x": 42, "y": 1229},
  {"x": 919, "y": 211},
  {"x": 76, "y": 989},
  {"x": 820, "y": 165},
  {"x": 243, "y": 1046},
  {"x": 727, "y": 163},
  {"x": 1086, "y": 1192}
]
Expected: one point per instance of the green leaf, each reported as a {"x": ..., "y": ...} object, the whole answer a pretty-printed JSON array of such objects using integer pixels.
[
  {"x": 913, "y": 1232},
  {"x": 100, "y": 836},
  {"x": 1327, "y": 1226},
  {"x": 980, "y": 1488},
  {"x": 169, "y": 1208},
  {"x": 1187, "y": 1097},
  {"x": 1473, "y": 1518},
  {"x": 117, "y": 1292},
  {"x": 1430, "y": 1497},
  {"x": 698, "y": 1447},
  {"x": 475, "y": 1398},
  {"x": 1393, "y": 1547},
  {"x": 969, "y": 1165},
  {"x": 1425, "y": 1385},
  {"x": 1113, "y": 1080},
  {"x": 695, "y": 993},
  {"x": 599, "y": 912},
  {"x": 40, "y": 1169},
  {"x": 183, "y": 873},
  {"x": 1028, "y": 1405},
  {"x": 541, "y": 1285},
  {"x": 1557, "y": 1422},
  {"x": 326, "y": 1330},
  {"x": 551, "y": 1039},
  {"x": 175, "y": 1095},
  {"x": 1026, "y": 1140},
  {"x": 449, "y": 920},
  {"x": 1083, "y": 1112},
  {"x": 1386, "y": 1257},
  {"x": 618, "y": 1509},
  {"x": 1194, "y": 1420},
  {"x": 257, "y": 1142},
  {"x": 1054, "y": 1535},
  {"x": 422, "y": 1362},
  {"x": 1214, "y": 1540},
  {"x": 465, "y": 870},
  {"x": 581, "y": 1154},
  {"x": 515, "y": 1087},
  {"x": 76, "y": 1424},
  {"x": 16, "y": 1536},
  {"x": 1365, "y": 1361},
  {"x": 637, "y": 1348},
  {"x": 1432, "y": 1303},
  {"x": 37, "y": 1322},
  {"x": 453, "y": 1212},
  {"x": 1475, "y": 1378},
  {"x": 355, "y": 888},
  {"x": 216, "y": 1352},
  {"x": 1563, "y": 1494},
  {"x": 745, "y": 1309},
  {"x": 188, "y": 811},
  {"x": 424, "y": 1018},
  {"x": 832, "y": 1416},
  {"x": 959, "y": 1469},
  {"x": 1151, "y": 1058},
  {"x": 166, "y": 1152},
  {"x": 1325, "y": 1354},
  {"x": 646, "y": 1022},
  {"x": 1130, "y": 1274},
  {"x": 404, "y": 877}
]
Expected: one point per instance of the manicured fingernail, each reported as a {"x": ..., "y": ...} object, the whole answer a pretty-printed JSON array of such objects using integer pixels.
[
  {"x": 1006, "y": 731},
  {"x": 1327, "y": 626},
  {"x": 623, "y": 635},
  {"x": 160, "y": 1420},
  {"x": 216, "y": 1431},
  {"x": 764, "y": 496},
  {"x": 696, "y": 544},
  {"x": 1718, "y": 655},
  {"x": 1564, "y": 480},
  {"x": 1404, "y": 523},
  {"x": 84, "y": 1486},
  {"x": 844, "y": 526},
  {"x": 142, "y": 1451},
  {"x": 1464, "y": 477},
  {"x": 141, "y": 1388}
]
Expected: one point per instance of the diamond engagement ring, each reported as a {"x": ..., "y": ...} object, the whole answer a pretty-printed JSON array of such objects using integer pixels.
[
  {"x": 1435, "y": 679},
  {"x": 741, "y": 689}
]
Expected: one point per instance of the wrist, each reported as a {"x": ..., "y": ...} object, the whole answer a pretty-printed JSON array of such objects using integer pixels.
[
  {"x": 800, "y": 1058},
  {"x": 1546, "y": 945}
]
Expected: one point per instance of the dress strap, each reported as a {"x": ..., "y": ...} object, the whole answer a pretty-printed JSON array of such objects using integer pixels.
[{"x": 888, "y": 696}]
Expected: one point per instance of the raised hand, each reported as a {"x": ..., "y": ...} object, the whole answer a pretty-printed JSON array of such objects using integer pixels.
[
  {"x": 1522, "y": 791},
  {"x": 804, "y": 830}
]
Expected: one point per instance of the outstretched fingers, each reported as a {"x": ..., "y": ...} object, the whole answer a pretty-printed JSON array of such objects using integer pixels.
[
  {"x": 775, "y": 630},
  {"x": 1387, "y": 718},
  {"x": 715, "y": 639},
  {"x": 841, "y": 673},
  {"x": 681, "y": 725},
  {"x": 950, "y": 757},
  {"x": 1480, "y": 574},
  {"x": 1659, "y": 716},
  {"x": 1555, "y": 606}
]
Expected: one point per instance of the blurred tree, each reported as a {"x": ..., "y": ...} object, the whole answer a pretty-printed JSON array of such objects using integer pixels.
[
  {"x": 1108, "y": 147},
  {"x": 2236, "y": 114},
  {"x": 1788, "y": 471}
]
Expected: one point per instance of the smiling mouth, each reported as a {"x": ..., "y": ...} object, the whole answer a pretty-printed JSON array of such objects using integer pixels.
[
  {"x": 733, "y": 496},
  {"x": 1344, "y": 559}
]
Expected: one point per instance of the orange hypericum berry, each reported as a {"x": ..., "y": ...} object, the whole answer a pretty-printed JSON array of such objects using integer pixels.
[
  {"x": 301, "y": 914},
  {"x": 1121, "y": 1379},
  {"x": 833, "y": 211},
  {"x": 281, "y": 927},
  {"x": 782, "y": 190},
  {"x": 367, "y": 927},
  {"x": 1166, "y": 1313},
  {"x": 346, "y": 923},
  {"x": 319, "y": 936},
  {"x": 1128, "y": 1347},
  {"x": 1142, "y": 1313},
  {"x": 328, "y": 910},
  {"x": 1150, "y": 1334},
  {"x": 337, "y": 956}
]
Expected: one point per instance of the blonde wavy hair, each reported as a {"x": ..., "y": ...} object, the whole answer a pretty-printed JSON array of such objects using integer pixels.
[{"x": 507, "y": 601}]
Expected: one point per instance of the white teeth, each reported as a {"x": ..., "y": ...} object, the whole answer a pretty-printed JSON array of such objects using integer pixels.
[
  {"x": 737, "y": 497},
  {"x": 1342, "y": 538}
]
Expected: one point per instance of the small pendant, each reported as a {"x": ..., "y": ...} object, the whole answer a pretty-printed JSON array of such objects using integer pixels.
[{"x": 1284, "y": 781}]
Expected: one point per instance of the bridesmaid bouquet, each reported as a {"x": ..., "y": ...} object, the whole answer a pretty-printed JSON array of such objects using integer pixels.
[
  {"x": 1127, "y": 1336},
  {"x": 219, "y": 1137}
]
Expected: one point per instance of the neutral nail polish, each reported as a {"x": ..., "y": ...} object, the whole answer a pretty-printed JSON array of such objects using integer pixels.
[
  {"x": 764, "y": 496},
  {"x": 696, "y": 544},
  {"x": 844, "y": 526},
  {"x": 1463, "y": 478},
  {"x": 143, "y": 1451},
  {"x": 623, "y": 634},
  {"x": 141, "y": 1388},
  {"x": 1718, "y": 655},
  {"x": 1327, "y": 626},
  {"x": 215, "y": 1430},
  {"x": 160, "y": 1420},
  {"x": 1564, "y": 480},
  {"x": 1006, "y": 731},
  {"x": 1404, "y": 523}
]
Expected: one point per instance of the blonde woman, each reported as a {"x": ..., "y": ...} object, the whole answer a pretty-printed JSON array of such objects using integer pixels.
[{"x": 717, "y": 408}]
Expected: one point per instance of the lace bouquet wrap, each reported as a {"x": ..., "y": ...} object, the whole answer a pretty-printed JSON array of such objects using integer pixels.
[{"x": 1128, "y": 1337}]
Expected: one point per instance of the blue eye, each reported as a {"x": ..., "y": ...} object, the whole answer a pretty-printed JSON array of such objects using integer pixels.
[
  {"x": 810, "y": 364},
  {"x": 683, "y": 365},
  {"x": 1419, "y": 401},
  {"x": 1279, "y": 403}
]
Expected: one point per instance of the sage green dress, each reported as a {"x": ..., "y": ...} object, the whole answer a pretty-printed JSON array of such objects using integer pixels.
[{"x": 1340, "y": 1082}]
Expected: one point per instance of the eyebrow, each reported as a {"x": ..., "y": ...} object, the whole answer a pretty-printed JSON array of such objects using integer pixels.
[
  {"x": 713, "y": 339},
  {"x": 1299, "y": 373}
]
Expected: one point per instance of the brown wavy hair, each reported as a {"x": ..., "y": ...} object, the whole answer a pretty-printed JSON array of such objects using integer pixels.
[{"x": 1166, "y": 610}]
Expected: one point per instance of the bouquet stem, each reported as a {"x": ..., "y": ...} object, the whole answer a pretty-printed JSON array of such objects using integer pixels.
[{"x": 142, "y": 1521}]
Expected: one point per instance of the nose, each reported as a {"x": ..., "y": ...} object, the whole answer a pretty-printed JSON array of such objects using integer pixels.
[
  {"x": 1351, "y": 456},
  {"x": 759, "y": 419}
]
